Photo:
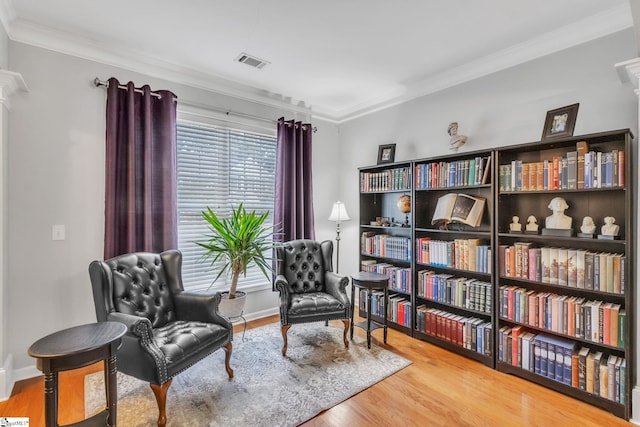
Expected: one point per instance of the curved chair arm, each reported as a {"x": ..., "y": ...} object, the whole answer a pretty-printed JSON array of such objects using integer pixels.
[
  {"x": 141, "y": 327},
  {"x": 282, "y": 286},
  {"x": 336, "y": 286},
  {"x": 201, "y": 307},
  {"x": 138, "y": 326}
]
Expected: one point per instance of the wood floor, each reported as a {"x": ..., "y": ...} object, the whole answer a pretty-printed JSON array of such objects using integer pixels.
[{"x": 439, "y": 389}]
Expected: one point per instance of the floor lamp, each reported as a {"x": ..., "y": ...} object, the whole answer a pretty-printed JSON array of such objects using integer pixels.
[{"x": 338, "y": 214}]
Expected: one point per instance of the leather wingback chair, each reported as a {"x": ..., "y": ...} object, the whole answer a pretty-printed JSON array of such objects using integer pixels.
[
  {"x": 309, "y": 289},
  {"x": 168, "y": 329}
]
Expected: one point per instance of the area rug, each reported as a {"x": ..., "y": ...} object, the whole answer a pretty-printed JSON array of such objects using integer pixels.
[{"x": 267, "y": 389}]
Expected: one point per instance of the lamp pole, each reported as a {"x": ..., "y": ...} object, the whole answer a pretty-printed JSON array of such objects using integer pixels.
[{"x": 338, "y": 214}]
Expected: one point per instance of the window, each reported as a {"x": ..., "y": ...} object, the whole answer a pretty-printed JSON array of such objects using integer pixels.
[{"x": 220, "y": 168}]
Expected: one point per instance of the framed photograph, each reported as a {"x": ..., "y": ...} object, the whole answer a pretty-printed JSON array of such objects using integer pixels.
[
  {"x": 386, "y": 153},
  {"x": 560, "y": 122}
]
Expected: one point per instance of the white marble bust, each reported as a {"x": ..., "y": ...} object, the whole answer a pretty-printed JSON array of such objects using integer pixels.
[
  {"x": 609, "y": 228},
  {"x": 588, "y": 226},
  {"x": 515, "y": 224},
  {"x": 558, "y": 219},
  {"x": 532, "y": 223}
]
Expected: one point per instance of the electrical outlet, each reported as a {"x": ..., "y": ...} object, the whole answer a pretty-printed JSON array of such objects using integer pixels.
[{"x": 58, "y": 232}]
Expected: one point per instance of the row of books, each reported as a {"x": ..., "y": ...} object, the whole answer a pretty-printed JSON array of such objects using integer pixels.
[
  {"x": 591, "y": 320},
  {"x": 399, "y": 278},
  {"x": 463, "y": 254},
  {"x": 457, "y": 173},
  {"x": 471, "y": 294},
  {"x": 578, "y": 170},
  {"x": 398, "y": 307},
  {"x": 562, "y": 360},
  {"x": 385, "y": 245},
  {"x": 575, "y": 268},
  {"x": 388, "y": 180},
  {"x": 471, "y": 333}
]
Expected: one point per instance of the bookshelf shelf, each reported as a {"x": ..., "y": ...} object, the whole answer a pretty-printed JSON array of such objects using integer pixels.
[{"x": 454, "y": 275}]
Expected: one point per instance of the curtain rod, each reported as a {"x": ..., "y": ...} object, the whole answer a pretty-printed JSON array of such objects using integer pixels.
[{"x": 101, "y": 83}]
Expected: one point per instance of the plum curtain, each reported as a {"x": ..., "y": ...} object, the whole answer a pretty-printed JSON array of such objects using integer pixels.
[
  {"x": 293, "y": 212},
  {"x": 140, "y": 184}
]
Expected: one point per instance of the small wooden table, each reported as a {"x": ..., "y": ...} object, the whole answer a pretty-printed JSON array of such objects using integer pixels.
[
  {"x": 369, "y": 281},
  {"x": 75, "y": 348}
]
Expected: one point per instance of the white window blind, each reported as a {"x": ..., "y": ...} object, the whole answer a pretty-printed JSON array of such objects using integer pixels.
[{"x": 220, "y": 168}]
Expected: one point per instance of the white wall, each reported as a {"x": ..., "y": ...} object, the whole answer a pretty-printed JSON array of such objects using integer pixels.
[{"x": 56, "y": 176}]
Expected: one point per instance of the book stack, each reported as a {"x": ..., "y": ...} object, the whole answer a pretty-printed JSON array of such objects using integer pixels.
[
  {"x": 471, "y": 294},
  {"x": 399, "y": 278},
  {"x": 579, "y": 169},
  {"x": 398, "y": 307},
  {"x": 575, "y": 268},
  {"x": 388, "y": 180},
  {"x": 564, "y": 361},
  {"x": 386, "y": 246},
  {"x": 462, "y": 254},
  {"x": 573, "y": 316},
  {"x": 471, "y": 333},
  {"x": 457, "y": 173}
]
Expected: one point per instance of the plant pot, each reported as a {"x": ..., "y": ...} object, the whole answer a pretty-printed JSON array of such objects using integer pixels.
[{"x": 232, "y": 308}]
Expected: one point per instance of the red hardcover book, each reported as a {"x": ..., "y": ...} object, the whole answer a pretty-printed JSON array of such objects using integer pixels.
[{"x": 515, "y": 333}]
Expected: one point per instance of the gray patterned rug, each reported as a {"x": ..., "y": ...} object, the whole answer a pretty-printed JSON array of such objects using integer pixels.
[{"x": 267, "y": 389}]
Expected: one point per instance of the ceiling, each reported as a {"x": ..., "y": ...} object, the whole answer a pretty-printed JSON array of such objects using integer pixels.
[{"x": 340, "y": 58}]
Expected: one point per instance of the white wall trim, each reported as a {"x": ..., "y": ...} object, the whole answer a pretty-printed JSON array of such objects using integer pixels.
[
  {"x": 629, "y": 71},
  {"x": 6, "y": 379},
  {"x": 10, "y": 83}
]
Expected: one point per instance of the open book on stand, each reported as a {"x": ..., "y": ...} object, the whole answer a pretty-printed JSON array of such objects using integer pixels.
[{"x": 461, "y": 208}]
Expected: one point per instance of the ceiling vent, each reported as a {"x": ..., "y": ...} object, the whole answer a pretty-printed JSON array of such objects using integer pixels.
[{"x": 251, "y": 60}]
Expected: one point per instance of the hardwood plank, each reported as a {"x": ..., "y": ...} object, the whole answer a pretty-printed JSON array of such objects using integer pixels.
[{"x": 440, "y": 388}]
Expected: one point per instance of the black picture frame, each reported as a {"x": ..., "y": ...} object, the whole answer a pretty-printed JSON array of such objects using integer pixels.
[
  {"x": 560, "y": 122},
  {"x": 386, "y": 153}
]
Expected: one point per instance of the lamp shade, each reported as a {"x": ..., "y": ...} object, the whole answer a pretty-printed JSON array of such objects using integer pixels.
[{"x": 339, "y": 212}]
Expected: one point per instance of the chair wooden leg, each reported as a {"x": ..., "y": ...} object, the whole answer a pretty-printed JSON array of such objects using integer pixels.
[
  {"x": 160, "y": 391},
  {"x": 285, "y": 329},
  {"x": 347, "y": 325},
  {"x": 228, "y": 348}
]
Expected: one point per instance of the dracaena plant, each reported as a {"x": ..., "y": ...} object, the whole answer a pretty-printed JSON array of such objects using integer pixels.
[{"x": 238, "y": 242}]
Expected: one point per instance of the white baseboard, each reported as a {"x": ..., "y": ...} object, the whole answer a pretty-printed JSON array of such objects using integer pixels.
[
  {"x": 6, "y": 379},
  {"x": 635, "y": 406},
  {"x": 259, "y": 314}
]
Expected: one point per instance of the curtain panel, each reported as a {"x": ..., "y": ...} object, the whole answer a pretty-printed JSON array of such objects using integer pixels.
[
  {"x": 141, "y": 177},
  {"x": 293, "y": 212}
]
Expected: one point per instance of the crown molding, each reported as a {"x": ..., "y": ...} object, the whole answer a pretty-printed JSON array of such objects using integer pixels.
[
  {"x": 80, "y": 46},
  {"x": 590, "y": 28}
]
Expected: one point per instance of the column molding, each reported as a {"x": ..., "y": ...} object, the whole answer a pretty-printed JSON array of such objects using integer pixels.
[
  {"x": 629, "y": 72},
  {"x": 10, "y": 83}
]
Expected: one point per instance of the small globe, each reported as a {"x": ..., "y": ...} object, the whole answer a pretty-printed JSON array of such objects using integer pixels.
[{"x": 404, "y": 204}]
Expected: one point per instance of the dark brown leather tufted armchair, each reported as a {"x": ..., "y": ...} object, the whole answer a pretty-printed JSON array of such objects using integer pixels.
[
  {"x": 168, "y": 329},
  {"x": 309, "y": 289}
]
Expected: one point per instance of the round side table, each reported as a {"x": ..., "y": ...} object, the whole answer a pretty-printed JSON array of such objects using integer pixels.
[
  {"x": 75, "y": 348},
  {"x": 370, "y": 281}
]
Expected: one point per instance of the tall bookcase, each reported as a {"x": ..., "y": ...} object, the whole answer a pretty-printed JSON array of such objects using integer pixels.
[
  {"x": 527, "y": 302},
  {"x": 452, "y": 264},
  {"x": 565, "y": 298},
  {"x": 386, "y": 239}
]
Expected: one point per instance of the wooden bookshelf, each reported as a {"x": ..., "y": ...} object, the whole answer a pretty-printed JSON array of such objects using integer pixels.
[
  {"x": 559, "y": 294},
  {"x": 453, "y": 278}
]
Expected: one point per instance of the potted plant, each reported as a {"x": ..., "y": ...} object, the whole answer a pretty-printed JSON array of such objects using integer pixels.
[{"x": 239, "y": 241}]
